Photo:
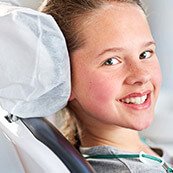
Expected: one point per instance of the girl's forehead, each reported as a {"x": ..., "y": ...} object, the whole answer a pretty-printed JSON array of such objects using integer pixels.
[
  {"x": 116, "y": 23},
  {"x": 106, "y": 9}
]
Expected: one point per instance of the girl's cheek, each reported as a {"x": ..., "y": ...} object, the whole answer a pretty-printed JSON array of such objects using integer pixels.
[
  {"x": 103, "y": 88},
  {"x": 157, "y": 75}
]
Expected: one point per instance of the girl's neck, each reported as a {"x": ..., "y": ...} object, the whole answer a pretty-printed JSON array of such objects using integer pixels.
[{"x": 121, "y": 138}]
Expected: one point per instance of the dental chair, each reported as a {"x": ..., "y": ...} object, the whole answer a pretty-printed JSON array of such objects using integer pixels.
[{"x": 34, "y": 83}]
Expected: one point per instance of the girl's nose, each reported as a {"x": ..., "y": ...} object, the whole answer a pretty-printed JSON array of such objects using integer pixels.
[{"x": 138, "y": 75}]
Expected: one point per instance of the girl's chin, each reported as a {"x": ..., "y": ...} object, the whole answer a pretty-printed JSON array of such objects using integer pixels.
[{"x": 142, "y": 126}]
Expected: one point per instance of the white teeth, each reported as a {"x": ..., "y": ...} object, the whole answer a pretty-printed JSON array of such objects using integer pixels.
[
  {"x": 138, "y": 100},
  {"x": 127, "y": 100},
  {"x": 135, "y": 100}
]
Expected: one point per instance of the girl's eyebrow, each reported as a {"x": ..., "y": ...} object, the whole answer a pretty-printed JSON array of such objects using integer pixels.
[
  {"x": 113, "y": 49},
  {"x": 119, "y": 49},
  {"x": 149, "y": 44}
]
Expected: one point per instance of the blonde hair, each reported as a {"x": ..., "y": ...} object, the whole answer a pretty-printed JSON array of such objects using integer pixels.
[
  {"x": 70, "y": 15},
  {"x": 67, "y": 124}
]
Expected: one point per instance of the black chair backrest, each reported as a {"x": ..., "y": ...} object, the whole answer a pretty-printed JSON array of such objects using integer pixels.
[{"x": 45, "y": 132}]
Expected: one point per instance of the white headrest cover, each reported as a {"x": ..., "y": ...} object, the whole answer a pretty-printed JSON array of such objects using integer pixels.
[{"x": 34, "y": 63}]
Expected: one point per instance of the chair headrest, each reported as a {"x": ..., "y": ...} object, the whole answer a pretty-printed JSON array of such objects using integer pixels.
[{"x": 34, "y": 63}]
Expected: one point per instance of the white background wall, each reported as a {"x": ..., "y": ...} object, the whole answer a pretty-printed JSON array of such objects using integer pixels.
[{"x": 160, "y": 15}]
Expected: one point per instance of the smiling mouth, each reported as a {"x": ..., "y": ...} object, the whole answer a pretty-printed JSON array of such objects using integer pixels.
[{"x": 135, "y": 100}]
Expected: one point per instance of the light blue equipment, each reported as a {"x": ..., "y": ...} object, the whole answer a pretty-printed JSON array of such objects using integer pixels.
[{"x": 143, "y": 157}]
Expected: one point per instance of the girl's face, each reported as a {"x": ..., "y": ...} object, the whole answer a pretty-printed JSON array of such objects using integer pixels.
[{"x": 116, "y": 75}]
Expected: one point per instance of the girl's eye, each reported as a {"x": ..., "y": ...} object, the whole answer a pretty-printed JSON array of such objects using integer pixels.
[
  {"x": 111, "y": 61},
  {"x": 146, "y": 54}
]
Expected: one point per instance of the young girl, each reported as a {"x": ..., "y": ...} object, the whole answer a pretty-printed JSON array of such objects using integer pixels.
[{"x": 115, "y": 81}]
